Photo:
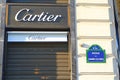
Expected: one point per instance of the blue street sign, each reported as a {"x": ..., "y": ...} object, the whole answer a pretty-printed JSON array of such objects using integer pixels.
[{"x": 95, "y": 54}]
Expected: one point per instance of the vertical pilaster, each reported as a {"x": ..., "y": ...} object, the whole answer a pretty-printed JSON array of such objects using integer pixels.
[
  {"x": 2, "y": 30},
  {"x": 73, "y": 38}
]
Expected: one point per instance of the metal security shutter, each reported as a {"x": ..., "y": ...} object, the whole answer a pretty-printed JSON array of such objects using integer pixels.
[
  {"x": 38, "y": 1},
  {"x": 37, "y": 61}
]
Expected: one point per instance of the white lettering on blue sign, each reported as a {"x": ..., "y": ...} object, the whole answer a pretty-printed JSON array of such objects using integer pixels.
[
  {"x": 95, "y": 59},
  {"x": 95, "y": 52}
]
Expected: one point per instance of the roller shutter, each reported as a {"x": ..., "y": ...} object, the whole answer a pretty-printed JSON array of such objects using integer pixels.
[
  {"x": 37, "y": 61},
  {"x": 38, "y": 1}
]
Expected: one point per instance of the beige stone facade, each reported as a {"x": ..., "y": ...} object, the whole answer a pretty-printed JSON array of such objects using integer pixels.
[{"x": 96, "y": 25}]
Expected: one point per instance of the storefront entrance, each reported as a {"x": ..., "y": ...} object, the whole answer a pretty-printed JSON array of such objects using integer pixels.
[
  {"x": 32, "y": 55},
  {"x": 37, "y": 44}
]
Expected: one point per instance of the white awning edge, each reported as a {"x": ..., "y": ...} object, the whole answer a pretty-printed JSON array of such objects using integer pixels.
[{"x": 37, "y": 36}]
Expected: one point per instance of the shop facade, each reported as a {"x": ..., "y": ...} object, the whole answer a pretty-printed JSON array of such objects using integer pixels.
[
  {"x": 39, "y": 31},
  {"x": 58, "y": 40}
]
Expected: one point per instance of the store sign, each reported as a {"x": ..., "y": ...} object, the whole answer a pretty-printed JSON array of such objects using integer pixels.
[
  {"x": 95, "y": 54},
  {"x": 28, "y": 17},
  {"x": 37, "y": 16},
  {"x": 29, "y": 36}
]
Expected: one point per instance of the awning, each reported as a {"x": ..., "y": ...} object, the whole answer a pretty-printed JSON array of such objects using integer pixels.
[{"x": 37, "y": 36}]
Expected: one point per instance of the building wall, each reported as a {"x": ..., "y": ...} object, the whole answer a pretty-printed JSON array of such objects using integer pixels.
[{"x": 95, "y": 25}]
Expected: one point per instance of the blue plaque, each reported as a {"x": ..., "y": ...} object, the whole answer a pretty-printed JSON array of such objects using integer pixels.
[{"x": 95, "y": 54}]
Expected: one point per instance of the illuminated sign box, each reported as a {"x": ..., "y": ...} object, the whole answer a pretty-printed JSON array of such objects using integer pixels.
[{"x": 37, "y": 16}]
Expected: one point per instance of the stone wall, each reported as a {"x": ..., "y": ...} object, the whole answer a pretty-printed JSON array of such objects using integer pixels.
[{"x": 96, "y": 25}]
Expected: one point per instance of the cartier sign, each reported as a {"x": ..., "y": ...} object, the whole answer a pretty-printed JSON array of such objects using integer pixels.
[
  {"x": 44, "y": 16},
  {"x": 37, "y": 16}
]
